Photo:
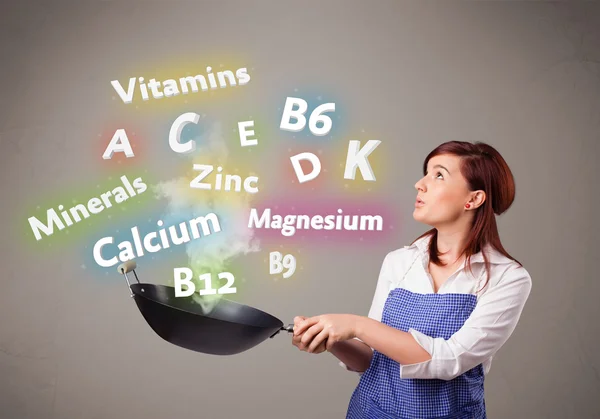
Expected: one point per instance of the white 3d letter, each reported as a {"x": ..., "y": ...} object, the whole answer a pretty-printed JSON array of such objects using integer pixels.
[
  {"x": 179, "y": 281},
  {"x": 298, "y": 169},
  {"x": 288, "y": 113},
  {"x": 119, "y": 143},
  {"x": 358, "y": 157},
  {"x": 245, "y": 134},
  {"x": 175, "y": 133}
]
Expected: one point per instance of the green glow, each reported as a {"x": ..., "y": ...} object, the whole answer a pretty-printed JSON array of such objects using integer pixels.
[
  {"x": 81, "y": 193},
  {"x": 214, "y": 267}
]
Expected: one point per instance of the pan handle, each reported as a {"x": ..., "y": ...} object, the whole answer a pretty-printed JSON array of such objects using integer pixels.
[
  {"x": 289, "y": 328},
  {"x": 126, "y": 267}
]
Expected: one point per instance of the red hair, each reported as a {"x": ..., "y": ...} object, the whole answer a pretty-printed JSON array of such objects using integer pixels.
[{"x": 484, "y": 169}]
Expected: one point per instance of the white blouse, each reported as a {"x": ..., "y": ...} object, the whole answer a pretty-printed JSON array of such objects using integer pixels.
[{"x": 499, "y": 306}]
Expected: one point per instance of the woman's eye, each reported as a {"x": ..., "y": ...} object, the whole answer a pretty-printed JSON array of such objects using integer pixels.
[{"x": 436, "y": 174}]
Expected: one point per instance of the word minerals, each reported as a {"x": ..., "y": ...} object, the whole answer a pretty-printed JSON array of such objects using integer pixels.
[
  {"x": 79, "y": 212},
  {"x": 183, "y": 276}
]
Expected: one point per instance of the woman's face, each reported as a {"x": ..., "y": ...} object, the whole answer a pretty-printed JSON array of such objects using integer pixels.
[{"x": 443, "y": 191}]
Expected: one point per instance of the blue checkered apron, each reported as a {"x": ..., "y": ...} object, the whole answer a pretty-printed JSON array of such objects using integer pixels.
[{"x": 382, "y": 394}]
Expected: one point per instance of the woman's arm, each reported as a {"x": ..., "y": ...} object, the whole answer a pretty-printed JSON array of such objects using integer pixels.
[
  {"x": 354, "y": 354},
  {"x": 420, "y": 356},
  {"x": 488, "y": 327},
  {"x": 351, "y": 338},
  {"x": 394, "y": 343}
]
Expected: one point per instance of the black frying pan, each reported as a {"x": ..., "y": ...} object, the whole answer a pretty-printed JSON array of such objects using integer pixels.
[{"x": 230, "y": 328}]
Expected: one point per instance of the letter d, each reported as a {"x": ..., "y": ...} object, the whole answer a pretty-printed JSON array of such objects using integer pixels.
[{"x": 298, "y": 169}]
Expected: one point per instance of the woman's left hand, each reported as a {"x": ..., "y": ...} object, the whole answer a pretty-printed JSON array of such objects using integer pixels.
[{"x": 331, "y": 328}]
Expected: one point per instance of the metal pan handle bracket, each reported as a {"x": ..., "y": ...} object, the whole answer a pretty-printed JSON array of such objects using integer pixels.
[
  {"x": 289, "y": 329},
  {"x": 126, "y": 267}
]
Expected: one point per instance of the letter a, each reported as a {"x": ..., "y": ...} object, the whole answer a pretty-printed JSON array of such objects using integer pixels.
[{"x": 119, "y": 143}]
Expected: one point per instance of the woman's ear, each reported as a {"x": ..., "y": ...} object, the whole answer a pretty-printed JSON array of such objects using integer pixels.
[{"x": 477, "y": 199}]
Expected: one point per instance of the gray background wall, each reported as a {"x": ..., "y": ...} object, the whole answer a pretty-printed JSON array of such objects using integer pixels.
[{"x": 522, "y": 76}]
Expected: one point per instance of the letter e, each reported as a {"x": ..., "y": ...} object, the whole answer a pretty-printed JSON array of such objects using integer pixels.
[{"x": 245, "y": 134}]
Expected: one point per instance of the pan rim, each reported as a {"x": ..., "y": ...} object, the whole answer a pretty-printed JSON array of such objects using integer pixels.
[{"x": 139, "y": 294}]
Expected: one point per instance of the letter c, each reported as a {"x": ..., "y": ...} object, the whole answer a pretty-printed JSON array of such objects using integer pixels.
[
  {"x": 98, "y": 253},
  {"x": 175, "y": 133},
  {"x": 247, "y": 187}
]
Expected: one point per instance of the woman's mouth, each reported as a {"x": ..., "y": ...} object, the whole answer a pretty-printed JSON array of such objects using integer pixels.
[{"x": 419, "y": 203}]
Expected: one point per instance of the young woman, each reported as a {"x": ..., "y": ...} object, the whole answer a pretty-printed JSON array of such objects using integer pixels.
[{"x": 443, "y": 306}]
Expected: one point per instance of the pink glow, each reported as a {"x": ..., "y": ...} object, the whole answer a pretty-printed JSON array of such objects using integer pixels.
[{"x": 391, "y": 225}]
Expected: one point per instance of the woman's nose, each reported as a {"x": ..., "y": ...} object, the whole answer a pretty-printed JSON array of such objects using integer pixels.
[{"x": 420, "y": 185}]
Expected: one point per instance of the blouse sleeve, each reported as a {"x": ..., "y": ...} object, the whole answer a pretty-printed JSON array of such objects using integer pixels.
[{"x": 490, "y": 325}]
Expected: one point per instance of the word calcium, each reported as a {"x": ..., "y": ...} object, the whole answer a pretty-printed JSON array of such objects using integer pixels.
[{"x": 156, "y": 240}]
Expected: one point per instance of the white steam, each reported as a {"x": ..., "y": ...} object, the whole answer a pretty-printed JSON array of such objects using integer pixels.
[{"x": 210, "y": 253}]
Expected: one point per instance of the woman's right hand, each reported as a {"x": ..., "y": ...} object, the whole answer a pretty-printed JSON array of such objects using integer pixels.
[{"x": 297, "y": 340}]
